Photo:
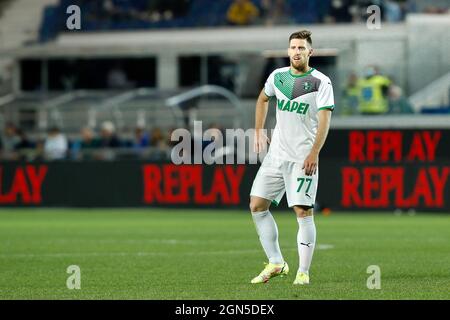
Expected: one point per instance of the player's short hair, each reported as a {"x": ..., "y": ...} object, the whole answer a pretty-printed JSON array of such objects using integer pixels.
[{"x": 303, "y": 34}]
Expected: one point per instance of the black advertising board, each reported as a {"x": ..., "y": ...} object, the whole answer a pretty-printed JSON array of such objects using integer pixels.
[{"x": 359, "y": 170}]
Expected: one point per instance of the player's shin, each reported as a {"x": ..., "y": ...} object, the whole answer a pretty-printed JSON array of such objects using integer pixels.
[
  {"x": 267, "y": 230},
  {"x": 306, "y": 239}
]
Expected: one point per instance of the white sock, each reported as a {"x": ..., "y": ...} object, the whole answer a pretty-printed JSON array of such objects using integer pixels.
[
  {"x": 306, "y": 239},
  {"x": 268, "y": 235}
]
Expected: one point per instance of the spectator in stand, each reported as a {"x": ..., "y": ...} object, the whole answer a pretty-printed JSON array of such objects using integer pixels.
[
  {"x": 85, "y": 147},
  {"x": 393, "y": 11},
  {"x": 350, "y": 95},
  {"x": 169, "y": 144},
  {"x": 158, "y": 10},
  {"x": 88, "y": 139},
  {"x": 167, "y": 9},
  {"x": 214, "y": 136},
  {"x": 398, "y": 103},
  {"x": 140, "y": 141},
  {"x": 108, "y": 141},
  {"x": 24, "y": 142},
  {"x": 242, "y": 13},
  {"x": 169, "y": 141},
  {"x": 160, "y": 143},
  {"x": 108, "y": 138},
  {"x": 153, "y": 11},
  {"x": 114, "y": 12},
  {"x": 25, "y": 147},
  {"x": 55, "y": 145},
  {"x": 373, "y": 92},
  {"x": 359, "y": 12},
  {"x": 141, "y": 138},
  {"x": 156, "y": 137},
  {"x": 39, "y": 151},
  {"x": 274, "y": 12},
  {"x": 10, "y": 140},
  {"x": 339, "y": 12}
]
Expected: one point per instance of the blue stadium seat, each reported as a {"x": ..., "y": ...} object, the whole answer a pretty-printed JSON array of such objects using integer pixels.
[
  {"x": 201, "y": 13},
  {"x": 436, "y": 110},
  {"x": 47, "y": 30},
  {"x": 124, "y": 4},
  {"x": 140, "y": 5},
  {"x": 303, "y": 11}
]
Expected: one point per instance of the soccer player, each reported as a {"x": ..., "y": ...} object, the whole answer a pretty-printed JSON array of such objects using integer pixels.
[{"x": 304, "y": 104}]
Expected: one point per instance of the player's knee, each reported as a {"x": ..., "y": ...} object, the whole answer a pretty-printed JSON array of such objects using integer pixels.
[
  {"x": 302, "y": 212},
  {"x": 258, "y": 206}
]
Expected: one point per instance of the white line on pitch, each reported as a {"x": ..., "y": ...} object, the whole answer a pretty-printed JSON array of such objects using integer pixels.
[{"x": 141, "y": 253}]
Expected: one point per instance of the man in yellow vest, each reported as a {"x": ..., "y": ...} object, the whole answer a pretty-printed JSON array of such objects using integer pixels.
[
  {"x": 373, "y": 91},
  {"x": 242, "y": 12},
  {"x": 350, "y": 96}
]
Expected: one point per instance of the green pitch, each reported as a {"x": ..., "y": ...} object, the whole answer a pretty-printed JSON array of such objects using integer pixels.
[{"x": 212, "y": 254}]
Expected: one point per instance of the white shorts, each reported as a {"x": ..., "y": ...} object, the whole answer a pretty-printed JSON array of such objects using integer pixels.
[{"x": 275, "y": 177}]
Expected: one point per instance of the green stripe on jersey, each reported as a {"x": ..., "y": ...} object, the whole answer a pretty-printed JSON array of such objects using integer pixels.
[
  {"x": 301, "y": 75},
  {"x": 327, "y": 107}
]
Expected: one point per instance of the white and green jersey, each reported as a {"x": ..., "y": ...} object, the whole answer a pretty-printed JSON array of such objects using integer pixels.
[{"x": 299, "y": 98}]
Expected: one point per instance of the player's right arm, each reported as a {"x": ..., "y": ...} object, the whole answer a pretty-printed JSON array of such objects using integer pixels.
[{"x": 262, "y": 106}]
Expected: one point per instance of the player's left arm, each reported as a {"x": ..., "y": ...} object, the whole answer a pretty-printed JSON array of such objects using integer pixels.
[
  {"x": 325, "y": 106},
  {"x": 312, "y": 160}
]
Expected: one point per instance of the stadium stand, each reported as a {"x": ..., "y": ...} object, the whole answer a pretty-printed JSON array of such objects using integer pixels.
[
  {"x": 52, "y": 83},
  {"x": 143, "y": 14}
]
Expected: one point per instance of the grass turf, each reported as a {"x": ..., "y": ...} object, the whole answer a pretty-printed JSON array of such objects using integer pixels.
[{"x": 201, "y": 254}]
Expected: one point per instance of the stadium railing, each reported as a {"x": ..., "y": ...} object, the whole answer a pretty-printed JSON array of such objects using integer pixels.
[
  {"x": 435, "y": 94},
  {"x": 127, "y": 109}
]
